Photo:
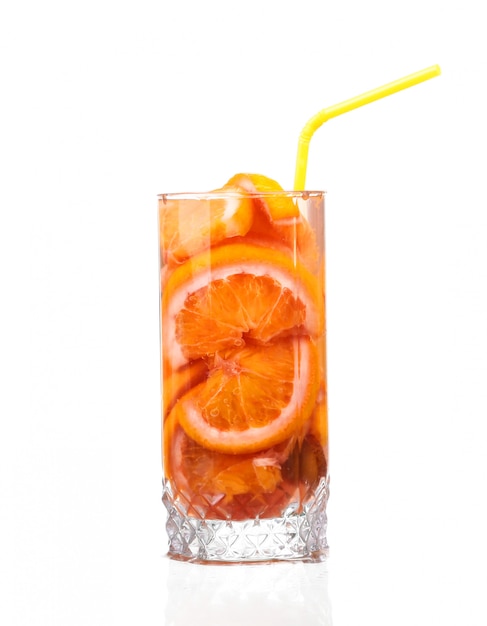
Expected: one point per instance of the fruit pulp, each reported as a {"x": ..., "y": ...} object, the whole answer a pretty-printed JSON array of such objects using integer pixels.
[{"x": 244, "y": 411}]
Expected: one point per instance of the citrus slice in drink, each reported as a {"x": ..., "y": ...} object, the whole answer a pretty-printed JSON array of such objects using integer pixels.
[
  {"x": 178, "y": 382},
  {"x": 188, "y": 225},
  {"x": 306, "y": 465},
  {"x": 278, "y": 205},
  {"x": 234, "y": 294},
  {"x": 212, "y": 474},
  {"x": 277, "y": 215},
  {"x": 226, "y": 486},
  {"x": 254, "y": 398}
]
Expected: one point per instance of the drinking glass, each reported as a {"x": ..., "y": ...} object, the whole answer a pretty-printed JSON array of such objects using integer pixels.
[{"x": 243, "y": 372}]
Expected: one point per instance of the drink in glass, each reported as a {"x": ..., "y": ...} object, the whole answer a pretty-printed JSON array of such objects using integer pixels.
[{"x": 244, "y": 404}]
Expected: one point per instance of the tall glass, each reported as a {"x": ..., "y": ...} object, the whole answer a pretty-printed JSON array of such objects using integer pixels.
[{"x": 243, "y": 369}]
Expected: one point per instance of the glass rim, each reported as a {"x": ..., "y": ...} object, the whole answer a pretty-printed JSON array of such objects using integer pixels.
[{"x": 209, "y": 195}]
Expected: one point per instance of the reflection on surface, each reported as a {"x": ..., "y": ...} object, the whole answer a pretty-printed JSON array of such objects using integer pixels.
[{"x": 285, "y": 594}]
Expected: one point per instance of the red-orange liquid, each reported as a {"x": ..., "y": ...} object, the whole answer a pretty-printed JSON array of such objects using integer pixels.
[{"x": 243, "y": 352}]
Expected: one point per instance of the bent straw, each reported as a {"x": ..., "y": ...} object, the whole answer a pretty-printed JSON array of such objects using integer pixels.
[{"x": 348, "y": 105}]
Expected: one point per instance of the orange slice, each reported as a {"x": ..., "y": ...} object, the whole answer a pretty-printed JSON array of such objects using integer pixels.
[
  {"x": 318, "y": 426},
  {"x": 277, "y": 206},
  {"x": 176, "y": 383},
  {"x": 306, "y": 464},
  {"x": 188, "y": 225},
  {"x": 211, "y": 473},
  {"x": 234, "y": 294},
  {"x": 227, "y": 486},
  {"x": 254, "y": 398},
  {"x": 277, "y": 215}
]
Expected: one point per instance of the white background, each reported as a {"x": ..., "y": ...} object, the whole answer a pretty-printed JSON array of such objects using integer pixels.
[{"x": 105, "y": 104}]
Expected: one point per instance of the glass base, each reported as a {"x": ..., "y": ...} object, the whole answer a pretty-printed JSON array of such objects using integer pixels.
[{"x": 292, "y": 537}]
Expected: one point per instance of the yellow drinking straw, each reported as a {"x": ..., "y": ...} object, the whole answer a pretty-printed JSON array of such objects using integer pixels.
[{"x": 348, "y": 105}]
